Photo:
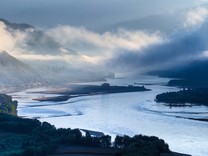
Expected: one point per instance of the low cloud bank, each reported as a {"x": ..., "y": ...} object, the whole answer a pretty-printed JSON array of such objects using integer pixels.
[
  {"x": 188, "y": 44},
  {"x": 196, "y": 17},
  {"x": 97, "y": 47},
  {"x": 9, "y": 40},
  {"x": 139, "y": 51}
]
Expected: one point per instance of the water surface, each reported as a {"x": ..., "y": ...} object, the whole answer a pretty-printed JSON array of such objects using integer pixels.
[{"x": 125, "y": 113}]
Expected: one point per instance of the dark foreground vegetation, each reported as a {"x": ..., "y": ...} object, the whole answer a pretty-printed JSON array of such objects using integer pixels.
[
  {"x": 30, "y": 137},
  {"x": 140, "y": 145},
  {"x": 194, "y": 96},
  {"x": 7, "y": 105}
]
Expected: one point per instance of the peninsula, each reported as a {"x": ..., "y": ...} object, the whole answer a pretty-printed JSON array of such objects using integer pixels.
[{"x": 197, "y": 96}]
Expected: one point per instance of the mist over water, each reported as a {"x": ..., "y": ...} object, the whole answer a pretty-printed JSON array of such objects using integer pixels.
[{"x": 125, "y": 113}]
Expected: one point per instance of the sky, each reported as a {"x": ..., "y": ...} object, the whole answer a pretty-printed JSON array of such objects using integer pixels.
[{"x": 88, "y": 13}]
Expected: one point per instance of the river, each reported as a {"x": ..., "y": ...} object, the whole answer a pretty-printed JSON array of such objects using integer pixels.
[{"x": 125, "y": 113}]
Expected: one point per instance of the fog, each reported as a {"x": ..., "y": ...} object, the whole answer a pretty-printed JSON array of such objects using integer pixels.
[
  {"x": 102, "y": 46},
  {"x": 62, "y": 50},
  {"x": 174, "y": 51},
  {"x": 140, "y": 50},
  {"x": 29, "y": 56}
]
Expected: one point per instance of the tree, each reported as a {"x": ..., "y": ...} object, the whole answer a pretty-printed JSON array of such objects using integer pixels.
[
  {"x": 105, "y": 85},
  {"x": 105, "y": 141}
]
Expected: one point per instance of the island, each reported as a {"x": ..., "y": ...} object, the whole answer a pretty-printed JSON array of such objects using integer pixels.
[
  {"x": 86, "y": 90},
  {"x": 30, "y": 137},
  {"x": 104, "y": 88}
]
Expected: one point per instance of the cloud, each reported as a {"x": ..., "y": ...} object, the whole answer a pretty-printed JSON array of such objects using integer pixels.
[
  {"x": 8, "y": 40},
  {"x": 134, "y": 51},
  {"x": 34, "y": 48},
  {"x": 196, "y": 17},
  {"x": 204, "y": 54},
  {"x": 22, "y": 44},
  {"x": 39, "y": 50},
  {"x": 176, "y": 50},
  {"x": 94, "y": 46}
]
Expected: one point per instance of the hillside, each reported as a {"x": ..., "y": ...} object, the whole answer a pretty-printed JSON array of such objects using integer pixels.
[
  {"x": 160, "y": 22},
  {"x": 36, "y": 40},
  {"x": 14, "y": 72},
  {"x": 36, "y": 58},
  {"x": 193, "y": 74}
]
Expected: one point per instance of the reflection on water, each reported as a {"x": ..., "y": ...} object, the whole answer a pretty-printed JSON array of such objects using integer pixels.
[{"x": 125, "y": 113}]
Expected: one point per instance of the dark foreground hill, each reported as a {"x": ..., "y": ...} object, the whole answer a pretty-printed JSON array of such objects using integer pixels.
[{"x": 38, "y": 139}]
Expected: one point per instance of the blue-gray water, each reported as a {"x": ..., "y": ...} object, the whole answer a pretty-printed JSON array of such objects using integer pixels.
[{"x": 125, "y": 113}]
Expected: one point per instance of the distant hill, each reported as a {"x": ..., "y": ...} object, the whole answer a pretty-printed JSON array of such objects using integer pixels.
[
  {"x": 15, "y": 25},
  {"x": 8, "y": 61},
  {"x": 194, "y": 74},
  {"x": 36, "y": 40},
  {"x": 44, "y": 61},
  {"x": 164, "y": 23},
  {"x": 193, "y": 70},
  {"x": 16, "y": 73}
]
